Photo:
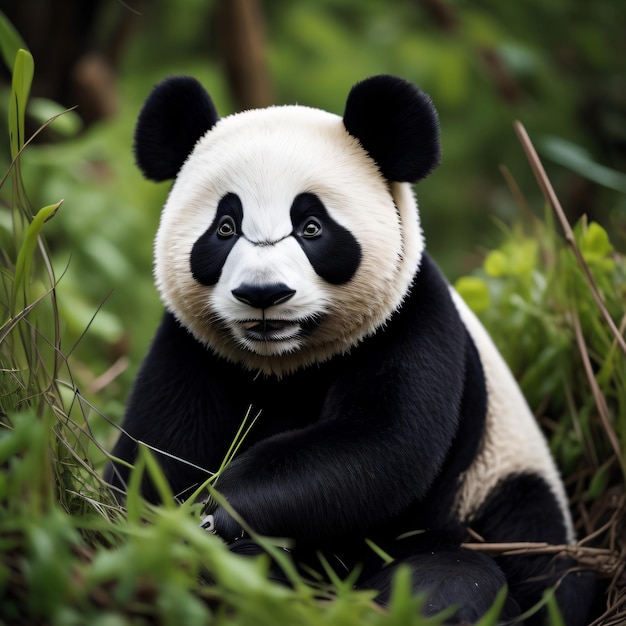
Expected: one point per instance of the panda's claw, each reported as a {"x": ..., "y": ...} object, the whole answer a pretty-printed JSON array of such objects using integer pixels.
[{"x": 208, "y": 524}]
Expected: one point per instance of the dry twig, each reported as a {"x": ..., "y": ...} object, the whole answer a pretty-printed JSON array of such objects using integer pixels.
[{"x": 550, "y": 195}]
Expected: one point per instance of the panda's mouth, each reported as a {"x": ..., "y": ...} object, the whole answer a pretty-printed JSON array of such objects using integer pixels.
[{"x": 270, "y": 330}]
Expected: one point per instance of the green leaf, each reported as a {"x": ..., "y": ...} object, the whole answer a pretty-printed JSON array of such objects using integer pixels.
[
  {"x": 67, "y": 123},
  {"x": 594, "y": 242},
  {"x": 495, "y": 264},
  {"x": 10, "y": 42},
  {"x": 577, "y": 159},
  {"x": 475, "y": 293},
  {"x": 515, "y": 258},
  {"x": 404, "y": 603},
  {"x": 157, "y": 477},
  {"x": 48, "y": 575},
  {"x": 554, "y": 614},
  {"x": 490, "y": 618},
  {"x": 23, "y": 72},
  {"x": 599, "y": 483},
  {"x": 134, "y": 502},
  {"x": 386, "y": 558},
  {"x": 27, "y": 250}
]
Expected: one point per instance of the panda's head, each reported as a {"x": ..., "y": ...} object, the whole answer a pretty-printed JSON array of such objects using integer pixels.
[{"x": 290, "y": 233}]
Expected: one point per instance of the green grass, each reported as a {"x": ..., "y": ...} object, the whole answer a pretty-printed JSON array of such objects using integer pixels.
[{"x": 69, "y": 554}]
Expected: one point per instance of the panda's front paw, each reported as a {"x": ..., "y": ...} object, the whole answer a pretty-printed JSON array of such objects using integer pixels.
[
  {"x": 208, "y": 524},
  {"x": 220, "y": 523}
]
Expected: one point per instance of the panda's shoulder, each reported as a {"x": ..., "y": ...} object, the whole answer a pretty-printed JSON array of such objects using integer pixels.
[
  {"x": 423, "y": 333},
  {"x": 428, "y": 306}
]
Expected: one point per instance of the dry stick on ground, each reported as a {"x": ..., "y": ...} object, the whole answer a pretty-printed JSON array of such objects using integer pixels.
[
  {"x": 550, "y": 195},
  {"x": 608, "y": 562},
  {"x": 603, "y": 561}
]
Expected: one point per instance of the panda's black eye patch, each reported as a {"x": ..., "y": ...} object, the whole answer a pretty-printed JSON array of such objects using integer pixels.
[
  {"x": 210, "y": 251},
  {"x": 332, "y": 250}
]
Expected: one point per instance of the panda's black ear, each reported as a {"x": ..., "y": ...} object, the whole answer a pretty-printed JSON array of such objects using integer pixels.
[
  {"x": 398, "y": 126},
  {"x": 175, "y": 115}
]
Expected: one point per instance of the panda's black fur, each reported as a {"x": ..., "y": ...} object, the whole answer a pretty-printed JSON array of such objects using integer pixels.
[{"x": 385, "y": 413}]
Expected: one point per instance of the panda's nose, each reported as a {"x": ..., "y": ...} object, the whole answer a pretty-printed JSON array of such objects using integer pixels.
[{"x": 263, "y": 296}]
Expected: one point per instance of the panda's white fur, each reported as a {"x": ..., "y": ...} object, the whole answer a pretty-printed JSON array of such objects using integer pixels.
[
  {"x": 509, "y": 419},
  {"x": 267, "y": 157}
]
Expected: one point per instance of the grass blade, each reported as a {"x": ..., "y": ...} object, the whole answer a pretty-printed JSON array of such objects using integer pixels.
[
  {"x": 25, "y": 255},
  {"x": 23, "y": 72}
]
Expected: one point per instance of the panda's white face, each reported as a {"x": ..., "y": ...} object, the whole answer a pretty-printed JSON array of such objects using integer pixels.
[{"x": 281, "y": 244}]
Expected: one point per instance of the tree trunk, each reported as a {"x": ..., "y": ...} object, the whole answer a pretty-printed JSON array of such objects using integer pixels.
[{"x": 241, "y": 46}]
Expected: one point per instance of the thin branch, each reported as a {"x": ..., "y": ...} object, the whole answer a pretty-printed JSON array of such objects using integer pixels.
[
  {"x": 551, "y": 197},
  {"x": 517, "y": 194},
  {"x": 98, "y": 384},
  {"x": 31, "y": 138},
  {"x": 601, "y": 560},
  {"x": 600, "y": 401}
]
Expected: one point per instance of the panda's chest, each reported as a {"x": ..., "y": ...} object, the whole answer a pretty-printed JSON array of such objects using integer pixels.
[{"x": 277, "y": 405}]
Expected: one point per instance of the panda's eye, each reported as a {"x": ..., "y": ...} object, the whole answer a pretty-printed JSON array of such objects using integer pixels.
[
  {"x": 226, "y": 227},
  {"x": 311, "y": 229}
]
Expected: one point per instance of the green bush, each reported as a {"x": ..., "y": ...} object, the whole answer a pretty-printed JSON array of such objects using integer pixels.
[{"x": 532, "y": 295}]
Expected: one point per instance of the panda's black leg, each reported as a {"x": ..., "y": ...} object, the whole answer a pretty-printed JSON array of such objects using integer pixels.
[
  {"x": 525, "y": 509},
  {"x": 450, "y": 576},
  {"x": 248, "y": 547}
]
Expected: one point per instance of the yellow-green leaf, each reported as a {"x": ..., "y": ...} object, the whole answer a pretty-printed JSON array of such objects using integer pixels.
[
  {"x": 25, "y": 255},
  {"x": 475, "y": 292},
  {"x": 495, "y": 264},
  {"x": 23, "y": 72},
  {"x": 594, "y": 242}
]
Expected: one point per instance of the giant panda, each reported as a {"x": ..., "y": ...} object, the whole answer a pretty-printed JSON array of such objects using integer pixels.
[{"x": 292, "y": 266}]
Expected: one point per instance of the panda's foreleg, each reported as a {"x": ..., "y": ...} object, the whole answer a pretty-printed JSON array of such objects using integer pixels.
[
  {"x": 449, "y": 576},
  {"x": 387, "y": 422},
  {"x": 524, "y": 509}
]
